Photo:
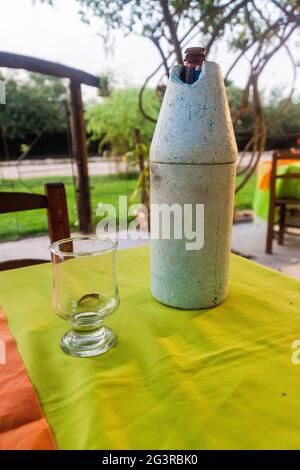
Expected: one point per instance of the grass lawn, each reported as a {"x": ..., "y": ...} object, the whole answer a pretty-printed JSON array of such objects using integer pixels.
[
  {"x": 105, "y": 189},
  {"x": 244, "y": 198}
]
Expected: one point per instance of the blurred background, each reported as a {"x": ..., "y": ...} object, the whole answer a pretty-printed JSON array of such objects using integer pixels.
[{"x": 131, "y": 46}]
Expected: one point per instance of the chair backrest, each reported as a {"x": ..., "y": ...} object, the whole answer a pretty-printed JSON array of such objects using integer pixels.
[
  {"x": 54, "y": 200},
  {"x": 284, "y": 155}
]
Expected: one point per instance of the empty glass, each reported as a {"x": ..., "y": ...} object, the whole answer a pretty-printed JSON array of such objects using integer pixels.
[{"x": 85, "y": 291}]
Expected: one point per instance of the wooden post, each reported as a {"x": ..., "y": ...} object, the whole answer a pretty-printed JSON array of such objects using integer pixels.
[
  {"x": 80, "y": 154},
  {"x": 138, "y": 140},
  {"x": 58, "y": 219}
]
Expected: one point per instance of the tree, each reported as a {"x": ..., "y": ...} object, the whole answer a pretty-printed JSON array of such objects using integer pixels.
[
  {"x": 33, "y": 105},
  {"x": 255, "y": 29},
  {"x": 287, "y": 122},
  {"x": 114, "y": 121}
]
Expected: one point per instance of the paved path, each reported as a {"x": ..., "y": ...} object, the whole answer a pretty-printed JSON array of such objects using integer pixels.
[
  {"x": 38, "y": 247},
  {"x": 51, "y": 167},
  {"x": 59, "y": 167},
  {"x": 248, "y": 238}
]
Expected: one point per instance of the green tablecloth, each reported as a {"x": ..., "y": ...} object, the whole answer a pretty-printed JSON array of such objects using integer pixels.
[
  {"x": 218, "y": 378},
  {"x": 284, "y": 188}
]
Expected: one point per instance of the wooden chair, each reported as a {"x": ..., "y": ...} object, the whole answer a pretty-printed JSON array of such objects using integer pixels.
[
  {"x": 54, "y": 200},
  {"x": 284, "y": 205}
]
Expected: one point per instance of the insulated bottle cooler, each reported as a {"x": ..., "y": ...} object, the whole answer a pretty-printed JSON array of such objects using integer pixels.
[{"x": 193, "y": 161}]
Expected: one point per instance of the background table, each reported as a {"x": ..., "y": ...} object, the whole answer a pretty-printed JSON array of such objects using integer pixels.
[
  {"x": 284, "y": 187},
  {"x": 220, "y": 378}
]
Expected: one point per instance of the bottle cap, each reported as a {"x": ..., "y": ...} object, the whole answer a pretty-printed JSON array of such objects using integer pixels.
[{"x": 195, "y": 56}]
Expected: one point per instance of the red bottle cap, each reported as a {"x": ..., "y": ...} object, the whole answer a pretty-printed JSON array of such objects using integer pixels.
[{"x": 195, "y": 56}]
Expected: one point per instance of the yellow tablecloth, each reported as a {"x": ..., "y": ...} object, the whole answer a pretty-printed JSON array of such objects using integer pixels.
[{"x": 220, "y": 378}]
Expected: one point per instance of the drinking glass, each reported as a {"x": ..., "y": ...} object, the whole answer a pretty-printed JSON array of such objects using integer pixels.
[{"x": 85, "y": 291}]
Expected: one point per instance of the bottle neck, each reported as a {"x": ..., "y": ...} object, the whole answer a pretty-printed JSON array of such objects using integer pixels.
[{"x": 194, "y": 58}]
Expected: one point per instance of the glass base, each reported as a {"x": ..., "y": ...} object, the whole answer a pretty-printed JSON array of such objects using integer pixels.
[{"x": 88, "y": 344}]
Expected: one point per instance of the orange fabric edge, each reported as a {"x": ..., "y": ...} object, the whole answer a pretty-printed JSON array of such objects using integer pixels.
[
  {"x": 265, "y": 169},
  {"x": 22, "y": 422}
]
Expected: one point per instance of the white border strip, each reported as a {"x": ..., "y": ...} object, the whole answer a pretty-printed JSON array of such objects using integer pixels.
[{"x": 2, "y": 92}]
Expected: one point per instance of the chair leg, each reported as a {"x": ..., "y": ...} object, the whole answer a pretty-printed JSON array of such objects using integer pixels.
[
  {"x": 281, "y": 225},
  {"x": 272, "y": 204},
  {"x": 269, "y": 241}
]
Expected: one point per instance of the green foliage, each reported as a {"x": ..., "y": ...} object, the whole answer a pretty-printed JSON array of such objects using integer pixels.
[
  {"x": 282, "y": 116},
  {"x": 106, "y": 84},
  {"x": 247, "y": 26},
  {"x": 139, "y": 157},
  {"x": 146, "y": 18},
  {"x": 132, "y": 157},
  {"x": 32, "y": 105},
  {"x": 244, "y": 198},
  {"x": 289, "y": 122},
  {"x": 114, "y": 121},
  {"x": 234, "y": 95}
]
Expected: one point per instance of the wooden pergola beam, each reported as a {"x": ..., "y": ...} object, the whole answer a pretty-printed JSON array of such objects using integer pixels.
[
  {"x": 78, "y": 134},
  {"x": 17, "y": 61}
]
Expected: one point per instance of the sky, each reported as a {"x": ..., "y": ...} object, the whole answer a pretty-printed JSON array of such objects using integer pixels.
[{"x": 57, "y": 34}]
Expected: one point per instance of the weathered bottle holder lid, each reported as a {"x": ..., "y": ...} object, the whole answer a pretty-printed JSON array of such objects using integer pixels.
[{"x": 194, "y": 124}]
